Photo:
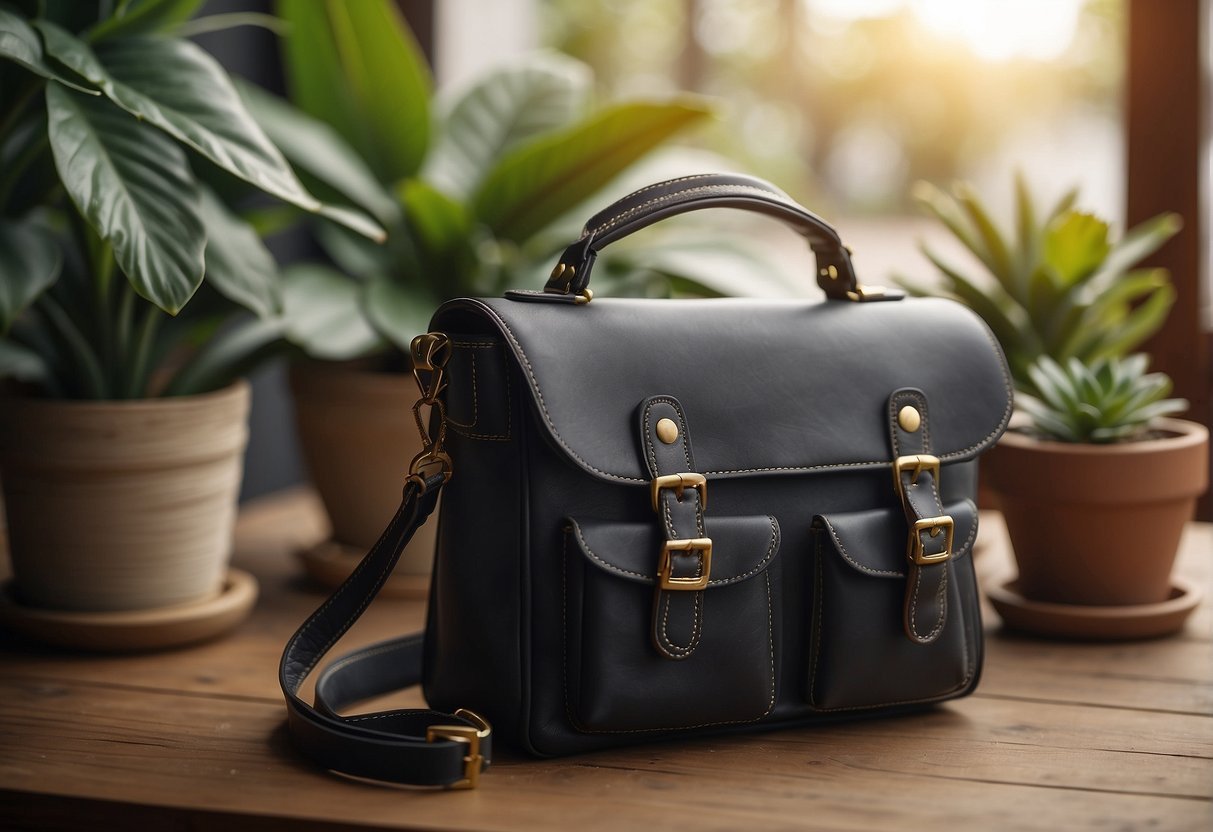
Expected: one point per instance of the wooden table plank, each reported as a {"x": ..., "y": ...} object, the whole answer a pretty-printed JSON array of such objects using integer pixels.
[
  {"x": 1059, "y": 736},
  {"x": 202, "y": 753}
]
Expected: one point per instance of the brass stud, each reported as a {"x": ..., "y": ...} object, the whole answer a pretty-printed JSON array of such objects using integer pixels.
[
  {"x": 667, "y": 431},
  {"x": 909, "y": 418}
]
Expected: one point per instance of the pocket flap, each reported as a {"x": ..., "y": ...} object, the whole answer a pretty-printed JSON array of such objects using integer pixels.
[
  {"x": 742, "y": 547},
  {"x": 874, "y": 542}
]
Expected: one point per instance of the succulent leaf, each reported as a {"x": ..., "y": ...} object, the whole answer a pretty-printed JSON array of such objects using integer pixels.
[{"x": 1107, "y": 400}]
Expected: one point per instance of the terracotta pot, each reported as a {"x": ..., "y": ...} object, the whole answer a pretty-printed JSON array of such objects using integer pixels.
[
  {"x": 122, "y": 505},
  {"x": 1099, "y": 524},
  {"x": 358, "y": 436}
]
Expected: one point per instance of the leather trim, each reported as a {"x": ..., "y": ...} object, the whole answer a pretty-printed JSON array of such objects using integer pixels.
[
  {"x": 787, "y": 362},
  {"x": 742, "y": 547}
]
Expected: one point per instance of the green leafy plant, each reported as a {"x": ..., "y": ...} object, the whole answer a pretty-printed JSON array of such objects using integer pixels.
[
  {"x": 1059, "y": 286},
  {"x": 1109, "y": 400},
  {"x": 117, "y": 136},
  {"x": 476, "y": 191}
]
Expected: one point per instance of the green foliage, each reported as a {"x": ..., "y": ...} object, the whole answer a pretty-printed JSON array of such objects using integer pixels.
[
  {"x": 108, "y": 236},
  {"x": 1058, "y": 286},
  {"x": 1109, "y": 400},
  {"x": 470, "y": 188}
]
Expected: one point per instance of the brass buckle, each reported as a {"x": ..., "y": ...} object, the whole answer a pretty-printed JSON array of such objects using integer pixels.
[
  {"x": 678, "y": 482},
  {"x": 917, "y": 463},
  {"x": 665, "y": 578},
  {"x": 471, "y": 735},
  {"x": 866, "y": 294},
  {"x": 934, "y": 526}
]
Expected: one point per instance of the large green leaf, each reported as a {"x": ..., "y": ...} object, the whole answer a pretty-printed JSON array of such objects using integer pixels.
[
  {"x": 238, "y": 264},
  {"x": 176, "y": 86},
  {"x": 30, "y": 260},
  {"x": 356, "y": 65},
  {"x": 439, "y": 225},
  {"x": 542, "y": 179},
  {"x": 998, "y": 256},
  {"x": 1075, "y": 245},
  {"x": 143, "y": 16},
  {"x": 946, "y": 210},
  {"x": 230, "y": 354},
  {"x": 323, "y": 313},
  {"x": 397, "y": 310},
  {"x": 20, "y": 44},
  {"x": 508, "y": 106},
  {"x": 1138, "y": 325},
  {"x": 1138, "y": 243},
  {"x": 133, "y": 186},
  {"x": 319, "y": 151}
]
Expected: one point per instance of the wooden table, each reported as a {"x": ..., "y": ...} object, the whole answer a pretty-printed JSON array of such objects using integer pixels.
[{"x": 1059, "y": 736}]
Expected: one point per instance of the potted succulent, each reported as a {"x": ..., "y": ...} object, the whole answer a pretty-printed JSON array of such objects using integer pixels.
[
  {"x": 1096, "y": 485},
  {"x": 1091, "y": 460},
  {"x": 132, "y": 298},
  {"x": 1059, "y": 286},
  {"x": 476, "y": 192}
]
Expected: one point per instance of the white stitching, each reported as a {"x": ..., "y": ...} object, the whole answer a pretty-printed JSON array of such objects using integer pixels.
[
  {"x": 568, "y": 706},
  {"x": 631, "y": 212},
  {"x": 475, "y": 401},
  {"x": 390, "y": 562},
  {"x": 463, "y": 428},
  {"x": 585, "y": 231},
  {"x": 766, "y": 559},
  {"x": 667, "y": 644},
  {"x": 819, "y": 599},
  {"x": 963, "y": 453}
]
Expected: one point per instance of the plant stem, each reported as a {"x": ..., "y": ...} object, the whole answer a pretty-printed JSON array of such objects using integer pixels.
[
  {"x": 140, "y": 363},
  {"x": 124, "y": 322},
  {"x": 101, "y": 255},
  {"x": 91, "y": 378}
]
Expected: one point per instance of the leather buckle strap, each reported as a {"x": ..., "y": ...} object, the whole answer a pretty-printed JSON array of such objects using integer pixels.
[
  {"x": 678, "y": 482},
  {"x": 931, "y": 527},
  {"x": 665, "y": 568},
  {"x": 916, "y": 464},
  {"x": 470, "y": 735},
  {"x": 916, "y": 479}
]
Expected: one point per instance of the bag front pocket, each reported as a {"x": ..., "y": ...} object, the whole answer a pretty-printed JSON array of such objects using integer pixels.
[
  {"x": 617, "y": 679},
  {"x": 860, "y": 654}
]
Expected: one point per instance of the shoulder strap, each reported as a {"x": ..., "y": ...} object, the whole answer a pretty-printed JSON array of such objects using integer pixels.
[{"x": 415, "y": 746}]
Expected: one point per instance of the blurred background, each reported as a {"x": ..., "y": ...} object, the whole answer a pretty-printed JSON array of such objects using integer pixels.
[{"x": 846, "y": 104}]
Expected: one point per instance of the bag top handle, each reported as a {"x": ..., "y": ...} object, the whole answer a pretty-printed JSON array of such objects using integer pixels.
[{"x": 835, "y": 274}]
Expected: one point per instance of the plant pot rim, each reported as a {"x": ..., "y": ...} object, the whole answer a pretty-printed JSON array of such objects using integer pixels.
[
  {"x": 238, "y": 388},
  {"x": 1181, "y": 433}
]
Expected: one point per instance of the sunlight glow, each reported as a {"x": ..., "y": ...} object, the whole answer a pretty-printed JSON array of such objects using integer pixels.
[{"x": 995, "y": 30}]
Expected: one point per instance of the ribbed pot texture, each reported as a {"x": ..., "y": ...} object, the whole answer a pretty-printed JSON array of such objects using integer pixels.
[
  {"x": 1099, "y": 524},
  {"x": 122, "y": 505},
  {"x": 358, "y": 437}
]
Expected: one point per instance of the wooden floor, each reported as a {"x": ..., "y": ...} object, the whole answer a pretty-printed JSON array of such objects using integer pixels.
[{"x": 1059, "y": 736}]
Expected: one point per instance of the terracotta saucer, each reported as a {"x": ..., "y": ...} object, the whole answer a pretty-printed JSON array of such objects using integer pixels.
[
  {"x": 1095, "y": 623},
  {"x": 128, "y": 631},
  {"x": 329, "y": 563}
]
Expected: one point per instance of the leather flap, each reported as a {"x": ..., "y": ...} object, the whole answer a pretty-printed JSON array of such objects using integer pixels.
[
  {"x": 742, "y": 547},
  {"x": 874, "y": 542},
  {"x": 767, "y": 386}
]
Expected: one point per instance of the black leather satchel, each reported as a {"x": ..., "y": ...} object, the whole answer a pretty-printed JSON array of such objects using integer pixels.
[{"x": 667, "y": 517}]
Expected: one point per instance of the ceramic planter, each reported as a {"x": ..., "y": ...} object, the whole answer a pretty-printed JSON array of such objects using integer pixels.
[
  {"x": 122, "y": 505},
  {"x": 358, "y": 436},
  {"x": 1099, "y": 524}
]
